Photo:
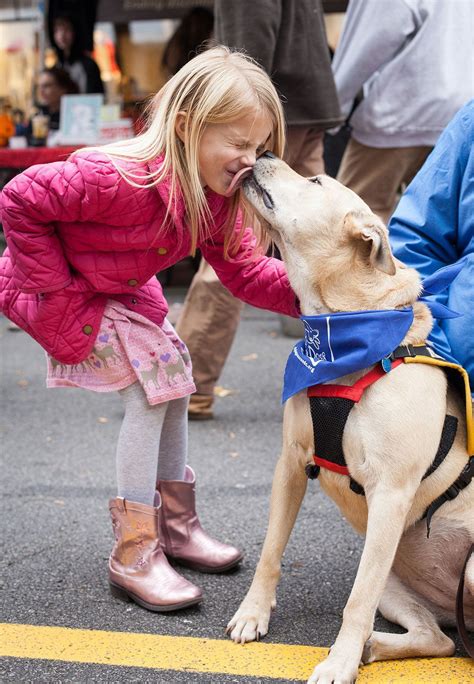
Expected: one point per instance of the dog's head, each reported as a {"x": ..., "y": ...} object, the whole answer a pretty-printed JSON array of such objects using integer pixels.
[{"x": 335, "y": 248}]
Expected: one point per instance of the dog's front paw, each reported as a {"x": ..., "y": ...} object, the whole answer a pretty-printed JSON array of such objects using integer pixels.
[
  {"x": 335, "y": 670},
  {"x": 249, "y": 623}
]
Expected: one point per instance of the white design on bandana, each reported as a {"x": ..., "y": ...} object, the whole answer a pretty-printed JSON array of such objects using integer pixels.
[{"x": 329, "y": 337}]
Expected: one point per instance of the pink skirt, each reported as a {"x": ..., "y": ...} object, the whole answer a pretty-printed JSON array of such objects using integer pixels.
[{"x": 130, "y": 348}]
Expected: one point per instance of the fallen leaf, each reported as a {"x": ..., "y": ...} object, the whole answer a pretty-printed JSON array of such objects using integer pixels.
[
  {"x": 23, "y": 383},
  {"x": 250, "y": 357},
  {"x": 102, "y": 419},
  {"x": 223, "y": 391}
]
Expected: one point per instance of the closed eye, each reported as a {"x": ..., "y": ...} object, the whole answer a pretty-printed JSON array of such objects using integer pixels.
[{"x": 315, "y": 179}]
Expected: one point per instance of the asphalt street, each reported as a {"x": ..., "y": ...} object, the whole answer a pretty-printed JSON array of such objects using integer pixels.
[{"x": 58, "y": 474}]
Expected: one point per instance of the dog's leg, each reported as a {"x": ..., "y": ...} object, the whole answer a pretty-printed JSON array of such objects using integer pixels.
[
  {"x": 423, "y": 638},
  {"x": 387, "y": 511},
  {"x": 253, "y": 616}
]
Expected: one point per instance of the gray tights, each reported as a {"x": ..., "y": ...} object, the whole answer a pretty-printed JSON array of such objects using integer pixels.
[{"x": 153, "y": 443}]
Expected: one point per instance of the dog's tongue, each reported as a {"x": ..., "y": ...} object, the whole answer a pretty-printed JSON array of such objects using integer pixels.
[{"x": 235, "y": 180}]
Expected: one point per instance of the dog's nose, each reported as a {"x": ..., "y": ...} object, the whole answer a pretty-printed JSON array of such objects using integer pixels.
[{"x": 269, "y": 154}]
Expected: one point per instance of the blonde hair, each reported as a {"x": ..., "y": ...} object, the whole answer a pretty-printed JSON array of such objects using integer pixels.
[{"x": 217, "y": 86}]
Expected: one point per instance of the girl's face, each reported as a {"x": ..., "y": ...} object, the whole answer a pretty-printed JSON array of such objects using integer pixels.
[{"x": 226, "y": 149}]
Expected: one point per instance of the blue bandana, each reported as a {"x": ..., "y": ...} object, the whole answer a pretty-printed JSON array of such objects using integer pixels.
[{"x": 340, "y": 343}]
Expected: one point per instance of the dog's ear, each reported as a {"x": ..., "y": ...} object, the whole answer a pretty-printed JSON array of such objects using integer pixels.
[{"x": 367, "y": 227}]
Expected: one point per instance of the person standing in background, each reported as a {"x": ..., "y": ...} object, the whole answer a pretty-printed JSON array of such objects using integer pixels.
[
  {"x": 194, "y": 29},
  {"x": 68, "y": 43},
  {"x": 289, "y": 40},
  {"x": 413, "y": 62}
]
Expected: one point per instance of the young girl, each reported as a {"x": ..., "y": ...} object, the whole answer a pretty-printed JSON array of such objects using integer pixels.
[{"x": 85, "y": 240}]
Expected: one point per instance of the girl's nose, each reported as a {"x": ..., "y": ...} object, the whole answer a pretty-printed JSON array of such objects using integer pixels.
[{"x": 249, "y": 159}]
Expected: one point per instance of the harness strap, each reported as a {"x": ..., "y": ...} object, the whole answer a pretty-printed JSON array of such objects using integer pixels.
[
  {"x": 451, "y": 493},
  {"x": 410, "y": 350},
  {"x": 448, "y": 435},
  {"x": 353, "y": 392}
]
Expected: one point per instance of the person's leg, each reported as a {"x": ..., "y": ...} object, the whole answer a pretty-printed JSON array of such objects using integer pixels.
[
  {"x": 173, "y": 453},
  {"x": 138, "y": 567},
  {"x": 374, "y": 174},
  {"x": 181, "y": 534},
  {"x": 138, "y": 446},
  {"x": 377, "y": 174},
  {"x": 207, "y": 325},
  {"x": 305, "y": 150},
  {"x": 414, "y": 163}
]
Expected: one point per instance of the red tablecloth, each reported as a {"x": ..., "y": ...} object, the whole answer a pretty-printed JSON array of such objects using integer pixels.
[{"x": 21, "y": 159}]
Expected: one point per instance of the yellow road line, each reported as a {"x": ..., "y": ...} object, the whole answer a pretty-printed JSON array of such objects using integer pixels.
[{"x": 191, "y": 654}]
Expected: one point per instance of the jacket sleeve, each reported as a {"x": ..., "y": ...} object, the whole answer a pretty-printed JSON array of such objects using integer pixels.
[
  {"x": 35, "y": 200},
  {"x": 372, "y": 34},
  {"x": 258, "y": 280},
  {"x": 433, "y": 226},
  {"x": 250, "y": 25}
]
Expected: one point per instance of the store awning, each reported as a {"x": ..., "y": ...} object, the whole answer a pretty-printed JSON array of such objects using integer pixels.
[{"x": 123, "y": 11}]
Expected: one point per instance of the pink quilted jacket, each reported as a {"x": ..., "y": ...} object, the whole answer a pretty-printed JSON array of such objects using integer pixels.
[{"x": 78, "y": 234}]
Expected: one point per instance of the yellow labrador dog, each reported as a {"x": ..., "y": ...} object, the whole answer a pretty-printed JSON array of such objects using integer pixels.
[{"x": 338, "y": 259}]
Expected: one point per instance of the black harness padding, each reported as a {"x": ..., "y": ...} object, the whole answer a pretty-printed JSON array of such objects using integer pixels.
[{"x": 329, "y": 415}]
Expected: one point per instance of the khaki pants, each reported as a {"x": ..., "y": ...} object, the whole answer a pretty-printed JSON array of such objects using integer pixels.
[
  {"x": 210, "y": 316},
  {"x": 378, "y": 175}
]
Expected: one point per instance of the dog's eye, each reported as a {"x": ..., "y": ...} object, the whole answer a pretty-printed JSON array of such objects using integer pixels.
[{"x": 316, "y": 180}]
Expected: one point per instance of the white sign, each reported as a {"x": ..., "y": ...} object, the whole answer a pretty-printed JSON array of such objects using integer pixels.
[{"x": 80, "y": 119}]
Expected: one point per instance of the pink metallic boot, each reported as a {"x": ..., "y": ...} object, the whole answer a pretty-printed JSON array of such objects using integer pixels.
[
  {"x": 181, "y": 534},
  {"x": 138, "y": 568}
]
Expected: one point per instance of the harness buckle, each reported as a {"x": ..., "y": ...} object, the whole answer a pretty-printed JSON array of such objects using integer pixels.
[{"x": 452, "y": 491}]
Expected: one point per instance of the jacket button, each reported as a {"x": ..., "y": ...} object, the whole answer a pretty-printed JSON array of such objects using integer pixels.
[
  {"x": 132, "y": 282},
  {"x": 87, "y": 329},
  {"x": 162, "y": 250}
]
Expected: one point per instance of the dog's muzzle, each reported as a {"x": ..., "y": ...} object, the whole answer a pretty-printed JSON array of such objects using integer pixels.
[{"x": 251, "y": 181}]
